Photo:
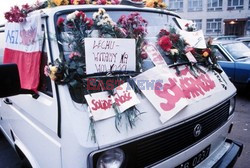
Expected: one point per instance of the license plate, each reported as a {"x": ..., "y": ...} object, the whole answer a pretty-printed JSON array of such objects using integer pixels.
[{"x": 197, "y": 159}]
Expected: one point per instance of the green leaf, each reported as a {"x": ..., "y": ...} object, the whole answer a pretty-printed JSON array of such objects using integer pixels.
[
  {"x": 80, "y": 71},
  {"x": 73, "y": 83},
  {"x": 72, "y": 65}
]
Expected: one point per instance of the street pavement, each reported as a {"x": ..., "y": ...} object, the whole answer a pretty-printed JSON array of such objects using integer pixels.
[
  {"x": 8, "y": 157},
  {"x": 241, "y": 128}
]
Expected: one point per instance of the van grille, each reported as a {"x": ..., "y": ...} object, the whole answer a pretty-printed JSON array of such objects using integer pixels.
[{"x": 154, "y": 148}]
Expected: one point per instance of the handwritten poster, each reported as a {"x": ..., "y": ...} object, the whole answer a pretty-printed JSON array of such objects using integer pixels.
[
  {"x": 110, "y": 54},
  {"x": 172, "y": 93},
  {"x": 194, "y": 39},
  {"x": 102, "y": 104},
  {"x": 154, "y": 54}
]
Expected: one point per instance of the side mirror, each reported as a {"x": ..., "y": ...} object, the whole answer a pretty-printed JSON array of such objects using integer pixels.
[{"x": 9, "y": 80}]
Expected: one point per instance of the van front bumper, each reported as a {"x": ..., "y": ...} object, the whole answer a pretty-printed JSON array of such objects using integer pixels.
[{"x": 229, "y": 158}]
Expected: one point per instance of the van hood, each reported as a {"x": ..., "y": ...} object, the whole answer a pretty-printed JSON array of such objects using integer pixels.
[{"x": 151, "y": 119}]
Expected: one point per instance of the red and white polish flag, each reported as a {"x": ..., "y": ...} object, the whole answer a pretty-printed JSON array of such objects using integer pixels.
[{"x": 23, "y": 46}]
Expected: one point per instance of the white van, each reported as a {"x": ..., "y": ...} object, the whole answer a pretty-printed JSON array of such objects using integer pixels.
[{"x": 55, "y": 127}]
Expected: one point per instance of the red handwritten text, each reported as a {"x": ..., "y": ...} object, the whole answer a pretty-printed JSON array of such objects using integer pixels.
[{"x": 189, "y": 87}]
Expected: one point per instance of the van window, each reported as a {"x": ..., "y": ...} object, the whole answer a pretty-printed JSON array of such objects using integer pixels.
[
  {"x": 156, "y": 22},
  {"x": 45, "y": 81}
]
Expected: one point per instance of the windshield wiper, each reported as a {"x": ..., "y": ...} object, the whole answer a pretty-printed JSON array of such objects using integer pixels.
[{"x": 243, "y": 57}]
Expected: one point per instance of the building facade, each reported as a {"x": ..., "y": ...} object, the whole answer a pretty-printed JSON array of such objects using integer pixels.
[{"x": 215, "y": 17}]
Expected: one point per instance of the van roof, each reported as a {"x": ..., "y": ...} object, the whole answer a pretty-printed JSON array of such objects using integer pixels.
[{"x": 53, "y": 10}]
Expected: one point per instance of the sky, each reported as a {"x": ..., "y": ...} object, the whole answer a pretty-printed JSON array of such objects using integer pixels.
[{"x": 5, "y": 6}]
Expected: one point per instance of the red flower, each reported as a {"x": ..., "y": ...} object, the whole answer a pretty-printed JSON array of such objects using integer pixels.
[
  {"x": 81, "y": 14},
  {"x": 101, "y": 2},
  {"x": 25, "y": 7},
  {"x": 82, "y": 2},
  {"x": 139, "y": 30},
  {"x": 60, "y": 21},
  {"x": 165, "y": 43},
  {"x": 115, "y": 2},
  {"x": 144, "y": 55},
  {"x": 174, "y": 37},
  {"x": 163, "y": 32},
  {"x": 89, "y": 22}
]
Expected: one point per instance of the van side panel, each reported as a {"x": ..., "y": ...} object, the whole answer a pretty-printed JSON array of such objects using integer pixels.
[{"x": 38, "y": 137}]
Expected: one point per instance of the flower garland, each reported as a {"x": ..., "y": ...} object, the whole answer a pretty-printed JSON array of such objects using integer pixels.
[{"x": 18, "y": 15}]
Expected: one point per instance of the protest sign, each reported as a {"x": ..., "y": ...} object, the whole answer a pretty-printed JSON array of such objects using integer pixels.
[
  {"x": 102, "y": 104},
  {"x": 109, "y": 54},
  {"x": 175, "y": 92},
  {"x": 154, "y": 54}
]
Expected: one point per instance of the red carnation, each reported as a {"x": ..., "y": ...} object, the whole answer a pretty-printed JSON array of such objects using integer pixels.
[
  {"x": 174, "y": 37},
  {"x": 81, "y": 14},
  {"x": 163, "y": 32},
  {"x": 89, "y": 22},
  {"x": 82, "y": 2},
  {"x": 60, "y": 21},
  {"x": 144, "y": 55},
  {"x": 165, "y": 43}
]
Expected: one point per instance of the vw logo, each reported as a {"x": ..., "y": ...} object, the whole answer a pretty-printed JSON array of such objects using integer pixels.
[{"x": 197, "y": 130}]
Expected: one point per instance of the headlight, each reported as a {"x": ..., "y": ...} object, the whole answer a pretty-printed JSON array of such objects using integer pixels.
[
  {"x": 112, "y": 158},
  {"x": 232, "y": 105}
]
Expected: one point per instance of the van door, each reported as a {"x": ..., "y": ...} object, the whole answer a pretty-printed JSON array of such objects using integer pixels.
[{"x": 34, "y": 118}]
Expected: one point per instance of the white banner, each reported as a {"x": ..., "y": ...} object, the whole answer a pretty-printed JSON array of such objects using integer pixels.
[
  {"x": 110, "y": 54},
  {"x": 154, "y": 54},
  {"x": 26, "y": 36},
  {"x": 101, "y": 104},
  {"x": 171, "y": 93}
]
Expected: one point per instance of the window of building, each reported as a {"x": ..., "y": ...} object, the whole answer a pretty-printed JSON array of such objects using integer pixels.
[
  {"x": 214, "y": 5},
  {"x": 214, "y": 25},
  {"x": 235, "y": 4},
  {"x": 194, "y": 5},
  {"x": 176, "y": 5},
  {"x": 198, "y": 24}
]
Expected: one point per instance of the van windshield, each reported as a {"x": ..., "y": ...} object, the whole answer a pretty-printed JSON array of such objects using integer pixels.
[{"x": 155, "y": 23}]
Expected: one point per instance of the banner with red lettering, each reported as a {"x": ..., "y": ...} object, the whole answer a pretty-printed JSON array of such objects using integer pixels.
[
  {"x": 154, "y": 54},
  {"x": 23, "y": 45},
  {"x": 171, "y": 93},
  {"x": 102, "y": 104}
]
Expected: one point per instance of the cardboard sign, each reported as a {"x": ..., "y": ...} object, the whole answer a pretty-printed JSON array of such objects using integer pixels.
[
  {"x": 101, "y": 104},
  {"x": 154, "y": 54},
  {"x": 171, "y": 93},
  {"x": 110, "y": 54},
  {"x": 194, "y": 39},
  {"x": 125, "y": 97}
]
